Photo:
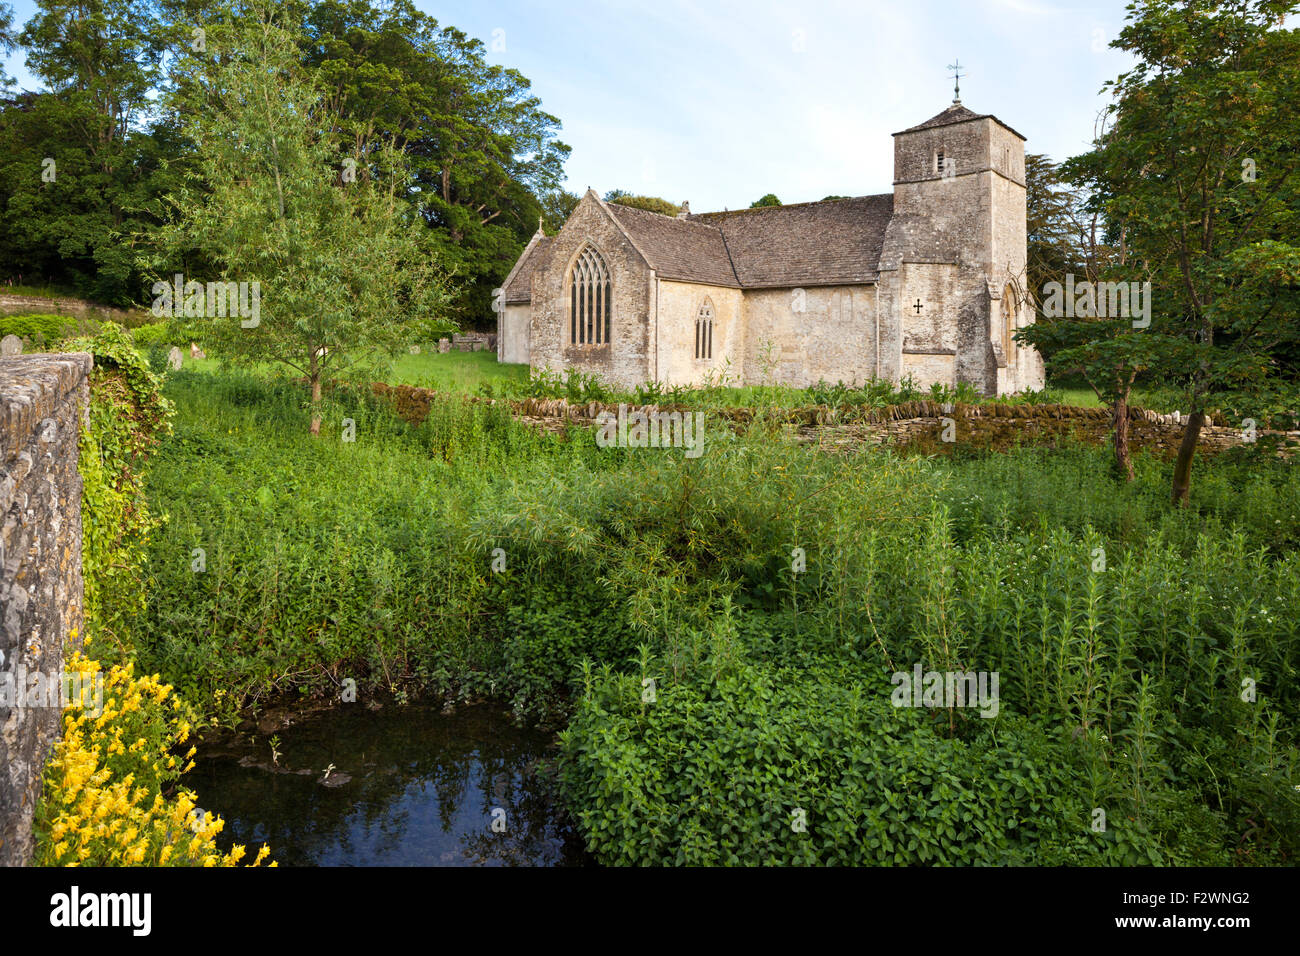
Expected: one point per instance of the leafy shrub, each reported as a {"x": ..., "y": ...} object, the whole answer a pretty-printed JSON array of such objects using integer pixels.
[
  {"x": 154, "y": 335},
  {"x": 771, "y": 766},
  {"x": 41, "y": 332},
  {"x": 128, "y": 414},
  {"x": 1120, "y": 687}
]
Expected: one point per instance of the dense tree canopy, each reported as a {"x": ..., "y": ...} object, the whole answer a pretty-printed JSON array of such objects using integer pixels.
[
  {"x": 483, "y": 157},
  {"x": 6, "y": 39},
  {"x": 78, "y": 168},
  {"x": 481, "y": 150},
  {"x": 557, "y": 207}
]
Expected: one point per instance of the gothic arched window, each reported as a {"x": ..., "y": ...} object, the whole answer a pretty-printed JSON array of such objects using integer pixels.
[
  {"x": 589, "y": 299},
  {"x": 1010, "y": 302},
  {"x": 704, "y": 331}
]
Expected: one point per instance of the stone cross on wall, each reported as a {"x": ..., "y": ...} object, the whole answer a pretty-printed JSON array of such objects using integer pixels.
[{"x": 917, "y": 306}]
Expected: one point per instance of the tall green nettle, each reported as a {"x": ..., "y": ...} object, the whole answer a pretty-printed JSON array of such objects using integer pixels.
[{"x": 326, "y": 240}]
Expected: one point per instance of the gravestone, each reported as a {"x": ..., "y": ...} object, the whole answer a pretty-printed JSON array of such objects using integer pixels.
[
  {"x": 444, "y": 345},
  {"x": 196, "y": 352},
  {"x": 11, "y": 345},
  {"x": 174, "y": 357}
]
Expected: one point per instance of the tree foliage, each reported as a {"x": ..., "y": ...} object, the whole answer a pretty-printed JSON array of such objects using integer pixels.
[
  {"x": 80, "y": 171},
  {"x": 345, "y": 275},
  {"x": 481, "y": 156},
  {"x": 1196, "y": 177},
  {"x": 7, "y": 40},
  {"x": 480, "y": 150},
  {"x": 648, "y": 203}
]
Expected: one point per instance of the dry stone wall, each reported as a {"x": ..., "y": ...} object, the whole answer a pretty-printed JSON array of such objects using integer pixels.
[
  {"x": 42, "y": 402},
  {"x": 988, "y": 425},
  {"x": 20, "y": 304}
]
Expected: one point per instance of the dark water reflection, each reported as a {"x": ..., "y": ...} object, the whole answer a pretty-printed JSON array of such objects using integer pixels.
[{"x": 410, "y": 787}]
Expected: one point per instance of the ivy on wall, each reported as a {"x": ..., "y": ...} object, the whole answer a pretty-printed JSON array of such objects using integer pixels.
[
  {"x": 111, "y": 795},
  {"x": 128, "y": 415}
]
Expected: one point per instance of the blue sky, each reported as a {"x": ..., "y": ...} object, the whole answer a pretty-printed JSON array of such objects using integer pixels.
[{"x": 721, "y": 102}]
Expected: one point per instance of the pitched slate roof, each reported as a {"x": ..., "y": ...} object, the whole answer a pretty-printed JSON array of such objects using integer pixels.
[
  {"x": 520, "y": 289},
  {"x": 956, "y": 113},
  {"x": 678, "y": 248},
  {"x": 832, "y": 242}
]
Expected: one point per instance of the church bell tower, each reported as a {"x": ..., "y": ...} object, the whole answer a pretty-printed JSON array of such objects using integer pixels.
[{"x": 957, "y": 241}]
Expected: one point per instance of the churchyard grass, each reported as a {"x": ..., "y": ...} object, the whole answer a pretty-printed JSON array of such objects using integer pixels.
[{"x": 454, "y": 371}]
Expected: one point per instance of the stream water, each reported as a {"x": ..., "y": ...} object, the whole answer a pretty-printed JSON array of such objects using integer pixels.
[{"x": 410, "y": 786}]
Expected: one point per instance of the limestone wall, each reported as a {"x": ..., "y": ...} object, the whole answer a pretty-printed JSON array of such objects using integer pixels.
[
  {"x": 626, "y": 360},
  {"x": 798, "y": 336},
  {"x": 42, "y": 401},
  {"x": 64, "y": 306},
  {"x": 512, "y": 334},
  {"x": 679, "y": 304}
]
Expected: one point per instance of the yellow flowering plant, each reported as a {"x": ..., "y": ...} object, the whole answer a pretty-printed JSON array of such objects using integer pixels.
[{"x": 105, "y": 799}]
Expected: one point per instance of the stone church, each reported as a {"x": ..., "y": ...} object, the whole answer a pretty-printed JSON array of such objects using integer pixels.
[{"x": 926, "y": 282}]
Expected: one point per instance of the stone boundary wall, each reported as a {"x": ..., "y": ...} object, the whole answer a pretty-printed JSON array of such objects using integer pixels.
[
  {"x": 986, "y": 425},
  {"x": 990, "y": 424},
  {"x": 844, "y": 415},
  {"x": 43, "y": 403},
  {"x": 63, "y": 306}
]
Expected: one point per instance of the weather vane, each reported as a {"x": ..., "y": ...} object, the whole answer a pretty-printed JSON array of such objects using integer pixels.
[{"x": 955, "y": 67}]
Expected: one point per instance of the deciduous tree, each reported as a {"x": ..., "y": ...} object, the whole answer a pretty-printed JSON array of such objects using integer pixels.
[
  {"x": 345, "y": 277},
  {"x": 1201, "y": 169}
]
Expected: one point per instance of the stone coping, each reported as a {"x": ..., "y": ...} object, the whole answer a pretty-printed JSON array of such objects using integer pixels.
[{"x": 32, "y": 387}]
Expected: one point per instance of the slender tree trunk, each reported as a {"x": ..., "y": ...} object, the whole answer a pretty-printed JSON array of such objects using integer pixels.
[
  {"x": 1182, "y": 485},
  {"x": 1123, "y": 460},
  {"x": 314, "y": 371}
]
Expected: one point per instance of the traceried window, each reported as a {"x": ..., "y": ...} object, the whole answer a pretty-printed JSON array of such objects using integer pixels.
[
  {"x": 704, "y": 331},
  {"x": 589, "y": 299},
  {"x": 1010, "y": 304}
]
